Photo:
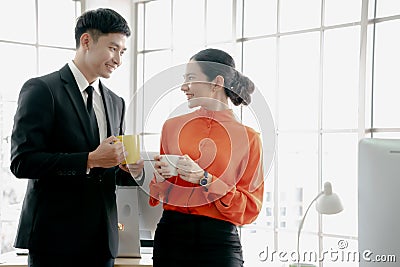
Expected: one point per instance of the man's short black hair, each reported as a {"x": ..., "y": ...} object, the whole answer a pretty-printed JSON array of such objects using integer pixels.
[{"x": 100, "y": 22}]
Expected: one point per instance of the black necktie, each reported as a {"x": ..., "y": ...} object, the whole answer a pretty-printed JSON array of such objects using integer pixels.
[{"x": 92, "y": 115}]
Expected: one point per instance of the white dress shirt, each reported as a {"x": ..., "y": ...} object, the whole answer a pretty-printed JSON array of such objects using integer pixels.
[{"x": 98, "y": 105}]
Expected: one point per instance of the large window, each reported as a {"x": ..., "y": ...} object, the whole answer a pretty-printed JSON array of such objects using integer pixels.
[{"x": 327, "y": 69}]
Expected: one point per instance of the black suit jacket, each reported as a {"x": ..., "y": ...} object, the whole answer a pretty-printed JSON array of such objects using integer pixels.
[{"x": 64, "y": 209}]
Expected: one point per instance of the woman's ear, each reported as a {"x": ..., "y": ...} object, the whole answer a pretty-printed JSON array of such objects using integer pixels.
[{"x": 219, "y": 81}]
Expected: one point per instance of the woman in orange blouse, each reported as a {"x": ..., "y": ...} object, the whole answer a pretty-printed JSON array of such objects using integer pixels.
[{"x": 220, "y": 177}]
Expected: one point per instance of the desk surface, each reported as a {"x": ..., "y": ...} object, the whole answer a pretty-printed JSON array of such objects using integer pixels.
[{"x": 11, "y": 259}]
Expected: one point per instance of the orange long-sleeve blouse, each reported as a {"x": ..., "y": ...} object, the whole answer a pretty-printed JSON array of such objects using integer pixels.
[{"x": 228, "y": 150}]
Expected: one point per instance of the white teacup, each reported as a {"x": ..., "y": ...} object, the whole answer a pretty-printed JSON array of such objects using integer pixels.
[{"x": 171, "y": 160}]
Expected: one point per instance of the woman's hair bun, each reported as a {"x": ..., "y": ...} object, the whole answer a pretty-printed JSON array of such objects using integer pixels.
[{"x": 240, "y": 89}]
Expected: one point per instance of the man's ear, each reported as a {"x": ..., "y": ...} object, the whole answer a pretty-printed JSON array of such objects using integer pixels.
[{"x": 85, "y": 40}]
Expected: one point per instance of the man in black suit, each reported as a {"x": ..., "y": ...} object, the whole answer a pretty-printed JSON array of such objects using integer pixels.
[{"x": 69, "y": 215}]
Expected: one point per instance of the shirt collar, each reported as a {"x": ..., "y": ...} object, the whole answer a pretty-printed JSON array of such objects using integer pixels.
[
  {"x": 81, "y": 80},
  {"x": 221, "y": 115}
]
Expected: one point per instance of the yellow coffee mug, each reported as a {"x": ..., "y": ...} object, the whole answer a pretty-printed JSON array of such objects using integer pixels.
[{"x": 132, "y": 147}]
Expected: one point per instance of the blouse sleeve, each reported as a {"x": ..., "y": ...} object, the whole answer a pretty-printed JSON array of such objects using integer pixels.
[
  {"x": 158, "y": 192},
  {"x": 241, "y": 203}
]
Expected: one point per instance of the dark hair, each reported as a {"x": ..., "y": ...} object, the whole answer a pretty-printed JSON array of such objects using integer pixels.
[
  {"x": 100, "y": 22},
  {"x": 237, "y": 86}
]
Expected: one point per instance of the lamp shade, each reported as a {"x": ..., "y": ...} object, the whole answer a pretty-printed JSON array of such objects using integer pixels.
[{"x": 329, "y": 202}]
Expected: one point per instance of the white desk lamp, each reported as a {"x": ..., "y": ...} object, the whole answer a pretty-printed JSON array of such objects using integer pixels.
[{"x": 327, "y": 203}]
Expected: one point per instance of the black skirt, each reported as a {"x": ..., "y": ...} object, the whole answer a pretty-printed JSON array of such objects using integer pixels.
[{"x": 192, "y": 240}]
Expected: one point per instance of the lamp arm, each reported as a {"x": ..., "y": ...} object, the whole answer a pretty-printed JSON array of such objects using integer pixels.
[{"x": 301, "y": 225}]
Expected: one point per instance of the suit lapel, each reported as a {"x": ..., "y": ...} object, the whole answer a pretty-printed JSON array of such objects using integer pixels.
[
  {"x": 75, "y": 95},
  {"x": 107, "y": 102}
]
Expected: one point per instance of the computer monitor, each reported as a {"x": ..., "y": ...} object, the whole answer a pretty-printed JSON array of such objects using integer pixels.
[
  {"x": 148, "y": 216},
  {"x": 378, "y": 197},
  {"x": 137, "y": 219},
  {"x": 128, "y": 221}
]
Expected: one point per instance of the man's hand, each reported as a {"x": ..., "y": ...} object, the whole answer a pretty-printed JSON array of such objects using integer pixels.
[
  {"x": 108, "y": 154},
  {"x": 134, "y": 169}
]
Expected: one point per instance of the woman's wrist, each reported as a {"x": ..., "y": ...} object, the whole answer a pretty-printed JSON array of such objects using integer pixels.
[
  {"x": 160, "y": 178},
  {"x": 209, "y": 180},
  {"x": 205, "y": 179}
]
